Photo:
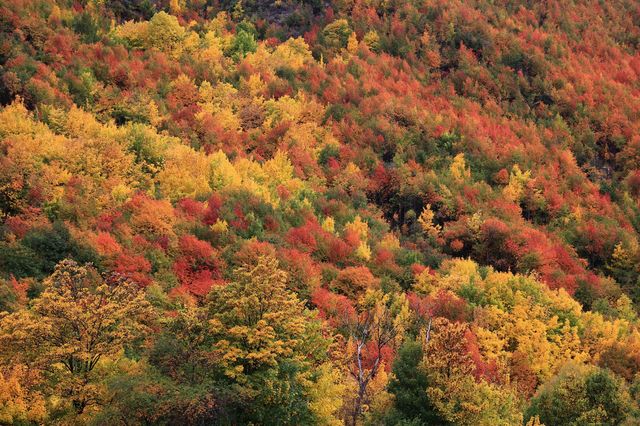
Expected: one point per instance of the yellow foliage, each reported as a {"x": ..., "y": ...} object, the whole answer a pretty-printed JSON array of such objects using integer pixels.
[
  {"x": 15, "y": 119},
  {"x": 218, "y": 95},
  {"x": 263, "y": 181},
  {"x": 525, "y": 315},
  {"x": 221, "y": 172},
  {"x": 175, "y": 6},
  {"x": 213, "y": 52},
  {"x": 459, "y": 170},
  {"x": 363, "y": 251},
  {"x": 326, "y": 395},
  {"x": 18, "y": 404},
  {"x": 329, "y": 225},
  {"x": 154, "y": 114},
  {"x": 360, "y": 227},
  {"x": 262, "y": 60},
  {"x": 218, "y": 25},
  {"x": 296, "y": 110},
  {"x": 389, "y": 242},
  {"x": 190, "y": 43},
  {"x": 454, "y": 391},
  {"x": 518, "y": 179},
  {"x": 352, "y": 44},
  {"x": 255, "y": 86},
  {"x": 120, "y": 193},
  {"x": 426, "y": 222},
  {"x": 81, "y": 124},
  {"x": 293, "y": 53},
  {"x": 153, "y": 218},
  {"x": 372, "y": 40},
  {"x": 305, "y": 136},
  {"x": 162, "y": 32},
  {"x": 134, "y": 33},
  {"x": 77, "y": 321},
  {"x": 278, "y": 170},
  {"x": 425, "y": 283},
  {"x": 220, "y": 226},
  {"x": 456, "y": 273},
  {"x": 184, "y": 174}
]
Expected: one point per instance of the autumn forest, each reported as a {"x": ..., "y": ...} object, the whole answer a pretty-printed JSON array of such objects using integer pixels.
[{"x": 308, "y": 212}]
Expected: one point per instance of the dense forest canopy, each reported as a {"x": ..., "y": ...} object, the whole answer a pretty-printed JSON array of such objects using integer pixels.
[{"x": 360, "y": 212}]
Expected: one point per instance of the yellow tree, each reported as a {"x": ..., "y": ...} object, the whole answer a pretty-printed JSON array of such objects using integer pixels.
[
  {"x": 78, "y": 320},
  {"x": 426, "y": 222},
  {"x": 459, "y": 170},
  {"x": 20, "y": 400},
  {"x": 271, "y": 348},
  {"x": 453, "y": 390}
]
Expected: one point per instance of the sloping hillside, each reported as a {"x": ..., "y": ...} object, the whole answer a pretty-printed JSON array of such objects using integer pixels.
[{"x": 358, "y": 212}]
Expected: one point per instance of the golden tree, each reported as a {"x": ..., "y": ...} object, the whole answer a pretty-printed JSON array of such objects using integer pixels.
[{"x": 79, "y": 320}]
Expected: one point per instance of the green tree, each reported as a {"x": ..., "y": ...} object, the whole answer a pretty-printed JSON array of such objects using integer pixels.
[
  {"x": 581, "y": 395},
  {"x": 244, "y": 42},
  {"x": 409, "y": 388},
  {"x": 336, "y": 34}
]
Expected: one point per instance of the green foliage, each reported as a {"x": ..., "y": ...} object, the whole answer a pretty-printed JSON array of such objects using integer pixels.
[
  {"x": 8, "y": 297},
  {"x": 19, "y": 261},
  {"x": 85, "y": 25},
  {"x": 411, "y": 405},
  {"x": 337, "y": 33},
  {"x": 244, "y": 42},
  {"x": 51, "y": 245},
  {"x": 582, "y": 395}
]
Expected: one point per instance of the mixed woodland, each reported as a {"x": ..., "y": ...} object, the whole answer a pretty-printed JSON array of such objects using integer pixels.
[{"x": 359, "y": 212}]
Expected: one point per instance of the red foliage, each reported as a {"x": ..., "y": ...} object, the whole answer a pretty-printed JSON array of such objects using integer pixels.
[
  {"x": 105, "y": 221},
  {"x": 354, "y": 281},
  {"x": 371, "y": 354},
  {"x": 212, "y": 212},
  {"x": 191, "y": 209},
  {"x": 443, "y": 304},
  {"x": 198, "y": 269},
  {"x": 352, "y": 238},
  {"x": 502, "y": 177},
  {"x": 303, "y": 237},
  {"x": 300, "y": 266},
  {"x": 338, "y": 250},
  {"x": 483, "y": 369},
  {"x": 135, "y": 267},
  {"x": 336, "y": 309},
  {"x": 17, "y": 226},
  {"x": 106, "y": 244}
]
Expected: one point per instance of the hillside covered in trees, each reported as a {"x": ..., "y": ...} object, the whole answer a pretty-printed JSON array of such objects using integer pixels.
[{"x": 360, "y": 212}]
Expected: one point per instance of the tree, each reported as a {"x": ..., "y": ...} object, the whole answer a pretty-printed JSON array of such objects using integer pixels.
[
  {"x": 265, "y": 344},
  {"x": 426, "y": 222},
  {"x": 354, "y": 281},
  {"x": 459, "y": 170},
  {"x": 458, "y": 397},
  {"x": 373, "y": 334},
  {"x": 336, "y": 34},
  {"x": 79, "y": 320},
  {"x": 164, "y": 33},
  {"x": 581, "y": 395},
  {"x": 409, "y": 388},
  {"x": 244, "y": 42},
  {"x": 20, "y": 401}
]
